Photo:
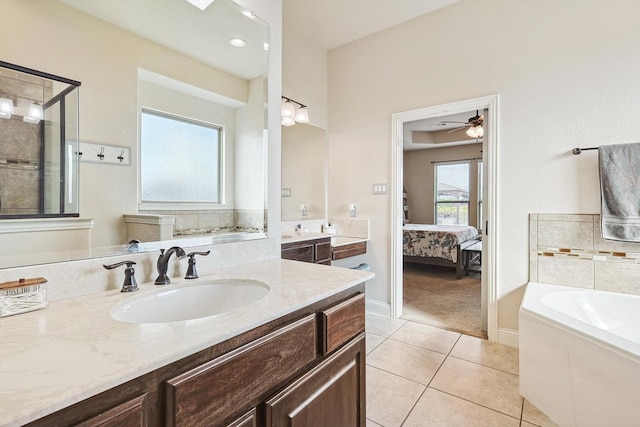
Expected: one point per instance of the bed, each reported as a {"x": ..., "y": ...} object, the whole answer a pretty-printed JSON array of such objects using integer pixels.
[{"x": 438, "y": 244}]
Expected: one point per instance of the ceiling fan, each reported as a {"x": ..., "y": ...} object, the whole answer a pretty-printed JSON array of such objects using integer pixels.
[{"x": 474, "y": 124}]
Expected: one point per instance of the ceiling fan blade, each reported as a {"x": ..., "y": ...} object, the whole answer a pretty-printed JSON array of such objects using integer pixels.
[
  {"x": 456, "y": 129},
  {"x": 449, "y": 121}
]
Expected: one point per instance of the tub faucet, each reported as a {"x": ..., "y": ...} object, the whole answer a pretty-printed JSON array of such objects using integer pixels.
[{"x": 163, "y": 263}]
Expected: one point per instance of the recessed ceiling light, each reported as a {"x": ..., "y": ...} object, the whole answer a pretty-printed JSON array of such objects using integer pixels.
[
  {"x": 201, "y": 4},
  {"x": 237, "y": 42}
]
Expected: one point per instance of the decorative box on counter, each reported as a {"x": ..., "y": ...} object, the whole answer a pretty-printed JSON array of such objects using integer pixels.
[{"x": 21, "y": 296}]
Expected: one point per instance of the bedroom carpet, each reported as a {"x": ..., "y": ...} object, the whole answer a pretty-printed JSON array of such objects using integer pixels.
[{"x": 433, "y": 296}]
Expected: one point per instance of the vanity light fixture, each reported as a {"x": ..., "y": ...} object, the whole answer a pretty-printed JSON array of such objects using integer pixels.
[
  {"x": 293, "y": 114},
  {"x": 237, "y": 42},
  {"x": 287, "y": 121},
  {"x": 6, "y": 108},
  {"x": 201, "y": 4},
  {"x": 302, "y": 115},
  {"x": 34, "y": 114}
]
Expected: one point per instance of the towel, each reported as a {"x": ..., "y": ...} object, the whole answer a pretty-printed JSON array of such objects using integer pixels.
[{"x": 620, "y": 191}]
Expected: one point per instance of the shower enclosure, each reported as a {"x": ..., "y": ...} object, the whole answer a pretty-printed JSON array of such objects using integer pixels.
[{"x": 38, "y": 144}]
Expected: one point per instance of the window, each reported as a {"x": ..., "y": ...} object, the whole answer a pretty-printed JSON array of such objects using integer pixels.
[
  {"x": 452, "y": 193},
  {"x": 180, "y": 159}
]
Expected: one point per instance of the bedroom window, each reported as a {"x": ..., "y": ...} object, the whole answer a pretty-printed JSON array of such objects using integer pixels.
[{"x": 452, "y": 193}]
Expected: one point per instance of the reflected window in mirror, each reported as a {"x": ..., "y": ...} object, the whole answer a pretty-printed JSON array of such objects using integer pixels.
[{"x": 180, "y": 159}]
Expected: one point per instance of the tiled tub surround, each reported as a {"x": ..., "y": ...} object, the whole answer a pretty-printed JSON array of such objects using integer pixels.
[
  {"x": 189, "y": 223},
  {"x": 72, "y": 350},
  {"x": 568, "y": 249}
]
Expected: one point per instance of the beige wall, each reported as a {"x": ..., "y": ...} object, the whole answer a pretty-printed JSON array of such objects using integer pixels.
[
  {"x": 567, "y": 76},
  {"x": 419, "y": 179},
  {"x": 304, "y": 75}
]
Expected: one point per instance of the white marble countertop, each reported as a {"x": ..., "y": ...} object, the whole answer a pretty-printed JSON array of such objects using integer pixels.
[
  {"x": 53, "y": 358},
  {"x": 336, "y": 240},
  {"x": 296, "y": 236}
]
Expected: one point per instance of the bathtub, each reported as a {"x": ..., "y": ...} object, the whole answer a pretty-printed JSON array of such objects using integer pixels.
[{"x": 580, "y": 355}]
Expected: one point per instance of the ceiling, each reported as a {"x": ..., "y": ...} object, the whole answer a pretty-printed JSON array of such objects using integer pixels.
[
  {"x": 200, "y": 34},
  {"x": 333, "y": 23},
  {"x": 432, "y": 133}
]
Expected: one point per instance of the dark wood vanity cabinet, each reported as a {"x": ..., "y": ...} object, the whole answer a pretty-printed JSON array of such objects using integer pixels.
[
  {"x": 306, "y": 368},
  {"x": 346, "y": 251},
  {"x": 315, "y": 250}
]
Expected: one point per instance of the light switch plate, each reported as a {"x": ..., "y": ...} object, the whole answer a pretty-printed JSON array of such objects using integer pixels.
[{"x": 379, "y": 189}]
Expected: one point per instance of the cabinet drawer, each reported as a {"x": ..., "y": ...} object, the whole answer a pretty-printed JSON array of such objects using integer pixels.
[
  {"x": 346, "y": 251},
  {"x": 128, "y": 414},
  {"x": 247, "y": 420},
  {"x": 216, "y": 391},
  {"x": 342, "y": 322}
]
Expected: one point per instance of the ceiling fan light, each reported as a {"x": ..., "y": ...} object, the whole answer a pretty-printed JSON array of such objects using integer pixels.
[
  {"x": 479, "y": 131},
  {"x": 471, "y": 132}
]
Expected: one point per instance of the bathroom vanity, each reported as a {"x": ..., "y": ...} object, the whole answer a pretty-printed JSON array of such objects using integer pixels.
[
  {"x": 295, "y": 357},
  {"x": 321, "y": 248},
  {"x": 309, "y": 247}
]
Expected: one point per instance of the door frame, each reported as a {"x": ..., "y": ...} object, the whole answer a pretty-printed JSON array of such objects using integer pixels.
[{"x": 490, "y": 240}]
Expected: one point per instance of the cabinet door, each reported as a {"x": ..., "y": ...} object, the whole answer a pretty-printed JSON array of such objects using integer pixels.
[
  {"x": 298, "y": 252},
  {"x": 331, "y": 394},
  {"x": 323, "y": 252}
]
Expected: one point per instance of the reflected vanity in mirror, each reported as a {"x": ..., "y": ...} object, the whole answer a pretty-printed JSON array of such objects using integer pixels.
[
  {"x": 185, "y": 70},
  {"x": 304, "y": 173}
]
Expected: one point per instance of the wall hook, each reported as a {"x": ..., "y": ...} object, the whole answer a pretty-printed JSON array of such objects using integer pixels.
[
  {"x": 101, "y": 153},
  {"x": 121, "y": 156}
]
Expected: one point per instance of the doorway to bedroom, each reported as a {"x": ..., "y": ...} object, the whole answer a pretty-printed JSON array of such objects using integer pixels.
[
  {"x": 442, "y": 266},
  {"x": 442, "y": 230}
]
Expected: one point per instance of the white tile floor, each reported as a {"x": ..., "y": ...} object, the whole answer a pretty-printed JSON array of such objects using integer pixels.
[{"x": 421, "y": 376}]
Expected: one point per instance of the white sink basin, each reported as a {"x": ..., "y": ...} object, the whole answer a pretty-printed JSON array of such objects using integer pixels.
[{"x": 188, "y": 301}]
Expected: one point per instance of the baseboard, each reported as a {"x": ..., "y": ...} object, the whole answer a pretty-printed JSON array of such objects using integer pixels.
[
  {"x": 508, "y": 337},
  {"x": 377, "y": 307}
]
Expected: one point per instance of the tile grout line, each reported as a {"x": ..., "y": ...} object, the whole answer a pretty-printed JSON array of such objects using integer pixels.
[
  {"x": 485, "y": 366},
  {"x": 432, "y": 377},
  {"x": 475, "y": 403}
]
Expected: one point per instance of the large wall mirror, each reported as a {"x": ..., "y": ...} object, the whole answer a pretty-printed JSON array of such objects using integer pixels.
[
  {"x": 206, "y": 68},
  {"x": 304, "y": 173}
]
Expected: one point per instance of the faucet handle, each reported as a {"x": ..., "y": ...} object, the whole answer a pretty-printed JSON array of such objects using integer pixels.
[
  {"x": 129, "y": 284},
  {"x": 191, "y": 270}
]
